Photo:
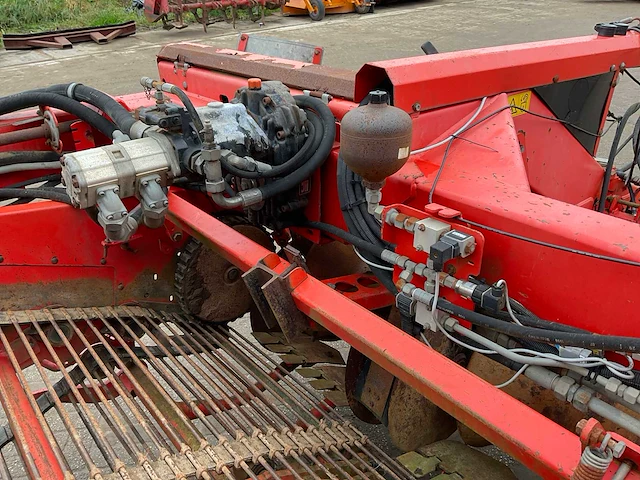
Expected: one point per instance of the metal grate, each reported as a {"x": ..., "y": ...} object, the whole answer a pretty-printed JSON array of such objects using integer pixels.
[{"x": 131, "y": 393}]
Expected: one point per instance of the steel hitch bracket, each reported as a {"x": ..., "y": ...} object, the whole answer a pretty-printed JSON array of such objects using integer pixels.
[{"x": 271, "y": 292}]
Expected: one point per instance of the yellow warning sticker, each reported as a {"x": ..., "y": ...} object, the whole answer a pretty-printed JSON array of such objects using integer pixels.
[{"x": 519, "y": 101}]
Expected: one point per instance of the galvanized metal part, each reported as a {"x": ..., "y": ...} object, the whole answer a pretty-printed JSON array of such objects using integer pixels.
[{"x": 161, "y": 396}]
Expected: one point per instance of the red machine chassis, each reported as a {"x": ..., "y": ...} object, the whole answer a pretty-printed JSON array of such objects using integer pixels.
[{"x": 510, "y": 176}]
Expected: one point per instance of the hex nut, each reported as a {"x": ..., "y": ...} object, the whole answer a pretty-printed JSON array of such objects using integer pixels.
[
  {"x": 581, "y": 398},
  {"x": 612, "y": 385},
  {"x": 631, "y": 395},
  {"x": 562, "y": 387},
  {"x": 618, "y": 449}
]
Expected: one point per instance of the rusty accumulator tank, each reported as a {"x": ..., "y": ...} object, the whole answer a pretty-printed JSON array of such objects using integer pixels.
[{"x": 375, "y": 139}]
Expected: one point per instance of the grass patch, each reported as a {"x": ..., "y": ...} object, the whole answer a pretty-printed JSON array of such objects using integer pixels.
[{"x": 25, "y": 16}]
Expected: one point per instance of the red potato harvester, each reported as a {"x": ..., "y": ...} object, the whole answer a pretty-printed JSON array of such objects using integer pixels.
[{"x": 445, "y": 215}]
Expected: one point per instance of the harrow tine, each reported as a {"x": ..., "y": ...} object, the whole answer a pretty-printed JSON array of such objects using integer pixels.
[{"x": 151, "y": 391}]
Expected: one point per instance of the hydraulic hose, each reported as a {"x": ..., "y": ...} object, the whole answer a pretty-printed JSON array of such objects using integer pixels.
[
  {"x": 122, "y": 117},
  {"x": 27, "y": 156},
  {"x": 33, "y": 193},
  {"x": 30, "y": 181},
  {"x": 586, "y": 340},
  {"x": 612, "y": 155},
  {"x": 34, "y": 98},
  {"x": 310, "y": 145},
  {"x": 317, "y": 107},
  {"x": 346, "y": 236},
  {"x": 186, "y": 101}
]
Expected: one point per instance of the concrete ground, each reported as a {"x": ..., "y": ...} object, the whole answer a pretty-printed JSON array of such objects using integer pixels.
[{"x": 349, "y": 40}]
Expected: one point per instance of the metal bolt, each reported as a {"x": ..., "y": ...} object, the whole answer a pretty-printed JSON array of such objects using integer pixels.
[
  {"x": 54, "y": 260},
  {"x": 145, "y": 183},
  {"x": 120, "y": 286},
  {"x": 184, "y": 84},
  {"x": 419, "y": 248},
  {"x": 116, "y": 189},
  {"x": 158, "y": 180},
  {"x": 102, "y": 193},
  {"x": 109, "y": 217},
  {"x": 152, "y": 205},
  {"x": 124, "y": 214},
  {"x": 1, "y": 259},
  {"x": 165, "y": 203},
  {"x": 421, "y": 227},
  {"x": 416, "y": 107},
  {"x": 556, "y": 79},
  {"x": 176, "y": 236}
]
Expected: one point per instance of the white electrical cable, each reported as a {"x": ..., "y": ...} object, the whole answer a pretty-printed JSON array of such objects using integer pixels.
[
  {"x": 436, "y": 294},
  {"x": 460, "y": 130},
  {"x": 424, "y": 339},
  {"x": 514, "y": 377},
  {"x": 503, "y": 283},
  {"x": 23, "y": 167},
  {"x": 373, "y": 264},
  {"x": 546, "y": 359}
]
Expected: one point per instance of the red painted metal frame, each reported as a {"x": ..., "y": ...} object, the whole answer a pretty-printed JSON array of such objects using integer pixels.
[
  {"x": 509, "y": 179},
  {"x": 538, "y": 442},
  {"x": 434, "y": 81}
]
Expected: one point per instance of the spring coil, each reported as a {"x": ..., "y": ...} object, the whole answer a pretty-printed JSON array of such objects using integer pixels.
[{"x": 593, "y": 464}]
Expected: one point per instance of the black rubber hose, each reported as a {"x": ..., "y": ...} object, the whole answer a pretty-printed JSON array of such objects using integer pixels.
[
  {"x": 586, "y": 340},
  {"x": 19, "y": 101},
  {"x": 605, "y": 372},
  {"x": 319, "y": 156},
  {"x": 188, "y": 104},
  {"x": 28, "y": 156},
  {"x": 311, "y": 144},
  {"x": 30, "y": 181},
  {"x": 612, "y": 155},
  {"x": 346, "y": 236},
  {"x": 539, "y": 323},
  {"x": 33, "y": 193},
  {"x": 122, "y": 117}
]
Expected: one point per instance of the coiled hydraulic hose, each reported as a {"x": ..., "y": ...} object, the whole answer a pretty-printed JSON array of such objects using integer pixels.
[
  {"x": 313, "y": 106},
  {"x": 33, "y": 98},
  {"x": 310, "y": 145}
]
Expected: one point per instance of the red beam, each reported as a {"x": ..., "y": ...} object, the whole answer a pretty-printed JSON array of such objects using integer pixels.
[
  {"x": 448, "y": 78},
  {"x": 536, "y": 441},
  {"x": 34, "y": 444}
]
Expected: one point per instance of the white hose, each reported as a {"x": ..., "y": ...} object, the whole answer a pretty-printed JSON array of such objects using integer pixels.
[{"x": 460, "y": 130}]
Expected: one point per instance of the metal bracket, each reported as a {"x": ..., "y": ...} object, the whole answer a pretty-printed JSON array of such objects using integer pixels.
[{"x": 272, "y": 295}]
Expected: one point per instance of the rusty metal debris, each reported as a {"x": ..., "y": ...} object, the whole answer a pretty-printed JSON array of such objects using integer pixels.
[
  {"x": 161, "y": 395},
  {"x": 66, "y": 38}
]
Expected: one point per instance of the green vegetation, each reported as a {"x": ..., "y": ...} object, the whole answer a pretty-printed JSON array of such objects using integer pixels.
[{"x": 24, "y": 16}]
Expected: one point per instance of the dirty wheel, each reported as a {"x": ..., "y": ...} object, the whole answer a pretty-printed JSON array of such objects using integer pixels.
[
  {"x": 318, "y": 11},
  {"x": 362, "y": 9},
  {"x": 210, "y": 287}
]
